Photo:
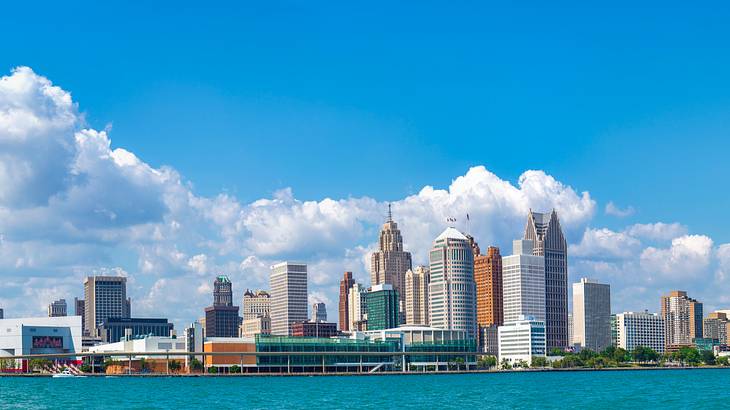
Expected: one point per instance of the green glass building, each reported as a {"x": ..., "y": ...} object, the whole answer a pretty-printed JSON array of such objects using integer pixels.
[{"x": 382, "y": 307}]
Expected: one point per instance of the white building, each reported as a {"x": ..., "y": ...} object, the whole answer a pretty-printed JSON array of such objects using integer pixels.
[
  {"x": 148, "y": 344},
  {"x": 523, "y": 283},
  {"x": 521, "y": 340},
  {"x": 357, "y": 311},
  {"x": 40, "y": 335},
  {"x": 452, "y": 291},
  {"x": 256, "y": 304},
  {"x": 288, "y": 284},
  {"x": 417, "y": 295},
  {"x": 591, "y": 315},
  {"x": 640, "y": 329}
]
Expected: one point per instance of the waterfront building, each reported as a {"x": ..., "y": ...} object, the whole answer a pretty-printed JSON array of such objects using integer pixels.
[
  {"x": 257, "y": 326},
  {"x": 682, "y": 319},
  {"x": 545, "y": 232},
  {"x": 717, "y": 326},
  {"x": 221, "y": 319},
  {"x": 113, "y": 329},
  {"x": 40, "y": 335},
  {"x": 521, "y": 340},
  {"x": 80, "y": 310},
  {"x": 591, "y": 315},
  {"x": 523, "y": 283},
  {"x": 452, "y": 291},
  {"x": 417, "y": 295},
  {"x": 389, "y": 264},
  {"x": 58, "y": 308},
  {"x": 488, "y": 278},
  {"x": 319, "y": 312},
  {"x": 489, "y": 339},
  {"x": 141, "y": 346},
  {"x": 105, "y": 297},
  {"x": 357, "y": 308},
  {"x": 640, "y": 329},
  {"x": 314, "y": 329},
  {"x": 256, "y": 304},
  {"x": 288, "y": 284},
  {"x": 344, "y": 305},
  {"x": 382, "y": 307}
]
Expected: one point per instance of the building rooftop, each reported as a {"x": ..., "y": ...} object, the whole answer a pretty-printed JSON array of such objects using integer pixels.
[{"x": 451, "y": 233}]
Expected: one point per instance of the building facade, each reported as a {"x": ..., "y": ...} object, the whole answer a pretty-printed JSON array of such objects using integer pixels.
[
  {"x": 452, "y": 291},
  {"x": 288, "y": 283},
  {"x": 682, "y": 319},
  {"x": 716, "y": 326},
  {"x": 319, "y": 312},
  {"x": 521, "y": 340},
  {"x": 40, "y": 335},
  {"x": 105, "y": 297},
  {"x": 257, "y": 326},
  {"x": 58, "y": 308},
  {"x": 389, "y": 264},
  {"x": 314, "y": 329},
  {"x": 357, "y": 308},
  {"x": 416, "y": 288},
  {"x": 113, "y": 329},
  {"x": 222, "y": 291},
  {"x": 591, "y": 315},
  {"x": 488, "y": 278},
  {"x": 523, "y": 283},
  {"x": 221, "y": 319},
  {"x": 640, "y": 329},
  {"x": 545, "y": 232},
  {"x": 256, "y": 304},
  {"x": 344, "y": 305},
  {"x": 382, "y": 307},
  {"x": 80, "y": 310}
]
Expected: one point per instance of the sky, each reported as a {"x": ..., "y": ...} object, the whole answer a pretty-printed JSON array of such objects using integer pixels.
[{"x": 174, "y": 141}]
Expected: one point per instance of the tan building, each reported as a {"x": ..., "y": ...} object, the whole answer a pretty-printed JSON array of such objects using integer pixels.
[
  {"x": 488, "y": 278},
  {"x": 417, "y": 295},
  {"x": 357, "y": 318},
  {"x": 388, "y": 265},
  {"x": 256, "y": 326},
  {"x": 256, "y": 304},
  {"x": 717, "y": 326},
  {"x": 682, "y": 319}
]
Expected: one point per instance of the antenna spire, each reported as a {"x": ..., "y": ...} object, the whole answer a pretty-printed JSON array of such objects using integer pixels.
[{"x": 390, "y": 213}]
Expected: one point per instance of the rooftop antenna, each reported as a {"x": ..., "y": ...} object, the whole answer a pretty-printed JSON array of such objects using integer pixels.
[{"x": 390, "y": 213}]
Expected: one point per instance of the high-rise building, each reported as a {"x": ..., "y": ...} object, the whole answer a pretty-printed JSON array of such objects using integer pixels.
[
  {"x": 592, "y": 315},
  {"x": 570, "y": 329},
  {"x": 221, "y": 319},
  {"x": 58, "y": 308},
  {"x": 523, "y": 283},
  {"x": 389, "y": 264},
  {"x": 80, "y": 310},
  {"x": 357, "y": 308},
  {"x": 288, "y": 283},
  {"x": 417, "y": 295},
  {"x": 344, "y": 306},
  {"x": 452, "y": 291},
  {"x": 2, "y": 314},
  {"x": 382, "y": 307},
  {"x": 549, "y": 242},
  {"x": 521, "y": 340},
  {"x": 105, "y": 297},
  {"x": 614, "y": 331},
  {"x": 717, "y": 326},
  {"x": 488, "y": 278},
  {"x": 640, "y": 329},
  {"x": 256, "y": 304},
  {"x": 682, "y": 319},
  {"x": 319, "y": 312}
]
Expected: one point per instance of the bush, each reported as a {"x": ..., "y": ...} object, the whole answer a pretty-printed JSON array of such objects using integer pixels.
[
  {"x": 196, "y": 365},
  {"x": 85, "y": 368},
  {"x": 174, "y": 365},
  {"x": 235, "y": 369},
  {"x": 723, "y": 361},
  {"x": 212, "y": 370},
  {"x": 539, "y": 361}
]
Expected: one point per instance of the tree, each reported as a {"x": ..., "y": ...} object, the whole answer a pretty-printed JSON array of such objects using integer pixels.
[
  {"x": 539, "y": 361},
  {"x": 586, "y": 354},
  {"x": 6, "y": 364},
  {"x": 174, "y": 365},
  {"x": 196, "y": 365},
  {"x": 556, "y": 351},
  {"x": 644, "y": 354},
  {"x": 505, "y": 364},
  {"x": 212, "y": 370},
  {"x": 86, "y": 368},
  {"x": 39, "y": 364},
  {"x": 723, "y": 361},
  {"x": 234, "y": 369},
  {"x": 620, "y": 355},
  {"x": 143, "y": 365},
  {"x": 487, "y": 362}
]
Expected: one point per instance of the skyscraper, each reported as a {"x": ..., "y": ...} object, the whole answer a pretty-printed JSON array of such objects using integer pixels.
[
  {"x": 288, "y": 283},
  {"x": 640, "y": 329},
  {"x": 417, "y": 296},
  {"x": 319, "y": 312},
  {"x": 592, "y": 315},
  {"x": 80, "y": 310},
  {"x": 105, "y": 297},
  {"x": 523, "y": 279},
  {"x": 344, "y": 306},
  {"x": 58, "y": 308},
  {"x": 452, "y": 292},
  {"x": 717, "y": 326},
  {"x": 549, "y": 242},
  {"x": 256, "y": 304},
  {"x": 221, "y": 319},
  {"x": 488, "y": 278},
  {"x": 382, "y": 307},
  {"x": 389, "y": 263},
  {"x": 682, "y": 319},
  {"x": 357, "y": 307}
]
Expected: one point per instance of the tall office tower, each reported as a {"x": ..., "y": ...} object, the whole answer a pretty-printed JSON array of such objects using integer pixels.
[
  {"x": 80, "y": 310},
  {"x": 717, "y": 326},
  {"x": 58, "y": 308},
  {"x": 105, "y": 297},
  {"x": 640, "y": 329},
  {"x": 357, "y": 308},
  {"x": 682, "y": 319},
  {"x": 221, "y": 319},
  {"x": 592, "y": 315},
  {"x": 319, "y": 312},
  {"x": 488, "y": 278},
  {"x": 452, "y": 291},
  {"x": 256, "y": 304},
  {"x": 417, "y": 296},
  {"x": 389, "y": 263},
  {"x": 382, "y": 307},
  {"x": 614, "y": 331},
  {"x": 548, "y": 240},
  {"x": 344, "y": 307},
  {"x": 288, "y": 283},
  {"x": 523, "y": 283}
]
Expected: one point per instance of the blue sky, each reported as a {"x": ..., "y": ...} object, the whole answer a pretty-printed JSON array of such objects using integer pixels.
[{"x": 336, "y": 100}]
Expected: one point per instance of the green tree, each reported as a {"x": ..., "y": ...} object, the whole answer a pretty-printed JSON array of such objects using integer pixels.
[
  {"x": 723, "y": 361},
  {"x": 539, "y": 361},
  {"x": 6, "y": 364},
  {"x": 620, "y": 355},
  {"x": 586, "y": 354},
  {"x": 39, "y": 364},
  {"x": 86, "y": 368},
  {"x": 487, "y": 362},
  {"x": 196, "y": 365},
  {"x": 555, "y": 351},
  {"x": 643, "y": 354},
  {"x": 212, "y": 370},
  {"x": 505, "y": 364},
  {"x": 234, "y": 369},
  {"x": 143, "y": 365},
  {"x": 174, "y": 365}
]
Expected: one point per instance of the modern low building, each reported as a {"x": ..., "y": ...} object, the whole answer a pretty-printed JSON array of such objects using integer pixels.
[
  {"x": 640, "y": 329},
  {"x": 314, "y": 329},
  {"x": 114, "y": 329},
  {"x": 521, "y": 340},
  {"x": 257, "y": 326},
  {"x": 40, "y": 335}
]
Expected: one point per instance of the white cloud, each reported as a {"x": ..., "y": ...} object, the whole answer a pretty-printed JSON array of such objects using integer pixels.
[
  {"x": 688, "y": 256},
  {"x": 657, "y": 231},
  {"x": 613, "y": 209},
  {"x": 604, "y": 243}
]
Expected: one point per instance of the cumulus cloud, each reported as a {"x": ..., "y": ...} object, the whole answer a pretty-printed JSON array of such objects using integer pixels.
[
  {"x": 686, "y": 257},
  {"x": 613, "y": 209},
  {"x": 657, "y": 231},
  {"x": 605, "y": 243}
]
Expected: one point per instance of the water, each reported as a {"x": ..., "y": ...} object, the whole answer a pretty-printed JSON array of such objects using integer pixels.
[{"x": 697, "y": 389}]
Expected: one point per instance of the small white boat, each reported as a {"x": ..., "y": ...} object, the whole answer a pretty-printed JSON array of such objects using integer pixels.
[{"x": 66, "y": 373}]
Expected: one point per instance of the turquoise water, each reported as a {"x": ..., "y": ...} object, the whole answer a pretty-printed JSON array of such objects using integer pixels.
[{"x": 697, "y": 389}]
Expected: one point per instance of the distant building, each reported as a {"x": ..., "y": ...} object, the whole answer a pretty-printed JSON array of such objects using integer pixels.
[
  {"x": 344, "y": 305},
  {"x": 389, "y": 264},
  {"x": 570, "y": 330},
  {"x": 2, "y": 314},
  {"x": 452, "y": 291},
  {"x": 288, "y": 283},
  {"x": 521, "y": 340},
  {"x": 640, "y": 329},
  {"x": 58, "y": 308},
  {"x": 256, "y": 326},
  {"x": 382, "y": 307},
  {"x": 488, "y": 278},
  {"x": 592, "y": 315},
  {"x": 105, "y": 297},
  {"x": 256, "y": 304},
  {"x": 416, "y": 289},
  {"x": 357, "y": 308},
  {"x": 682, "y": 319},
  {"x": 40, "y": 335},
  {"x": 523, "y": 278},
  {"x": 314, "y": 329},
  {"x": 194, "y": 338},
  {"x": 113, "y": 329},
  {"x": 489, "y": 339},
  {"x": 319, "y": 312},
  {"x": 221, "y": 319},
  {"x": 80, "y": 310},
  {"x": 717, "y": 326},
  {"x": 614, "y": 331},
  {"x": 222, "y": 291}
]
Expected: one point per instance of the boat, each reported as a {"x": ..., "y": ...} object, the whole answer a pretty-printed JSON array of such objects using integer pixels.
[{"x": 66, "y": 373}]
